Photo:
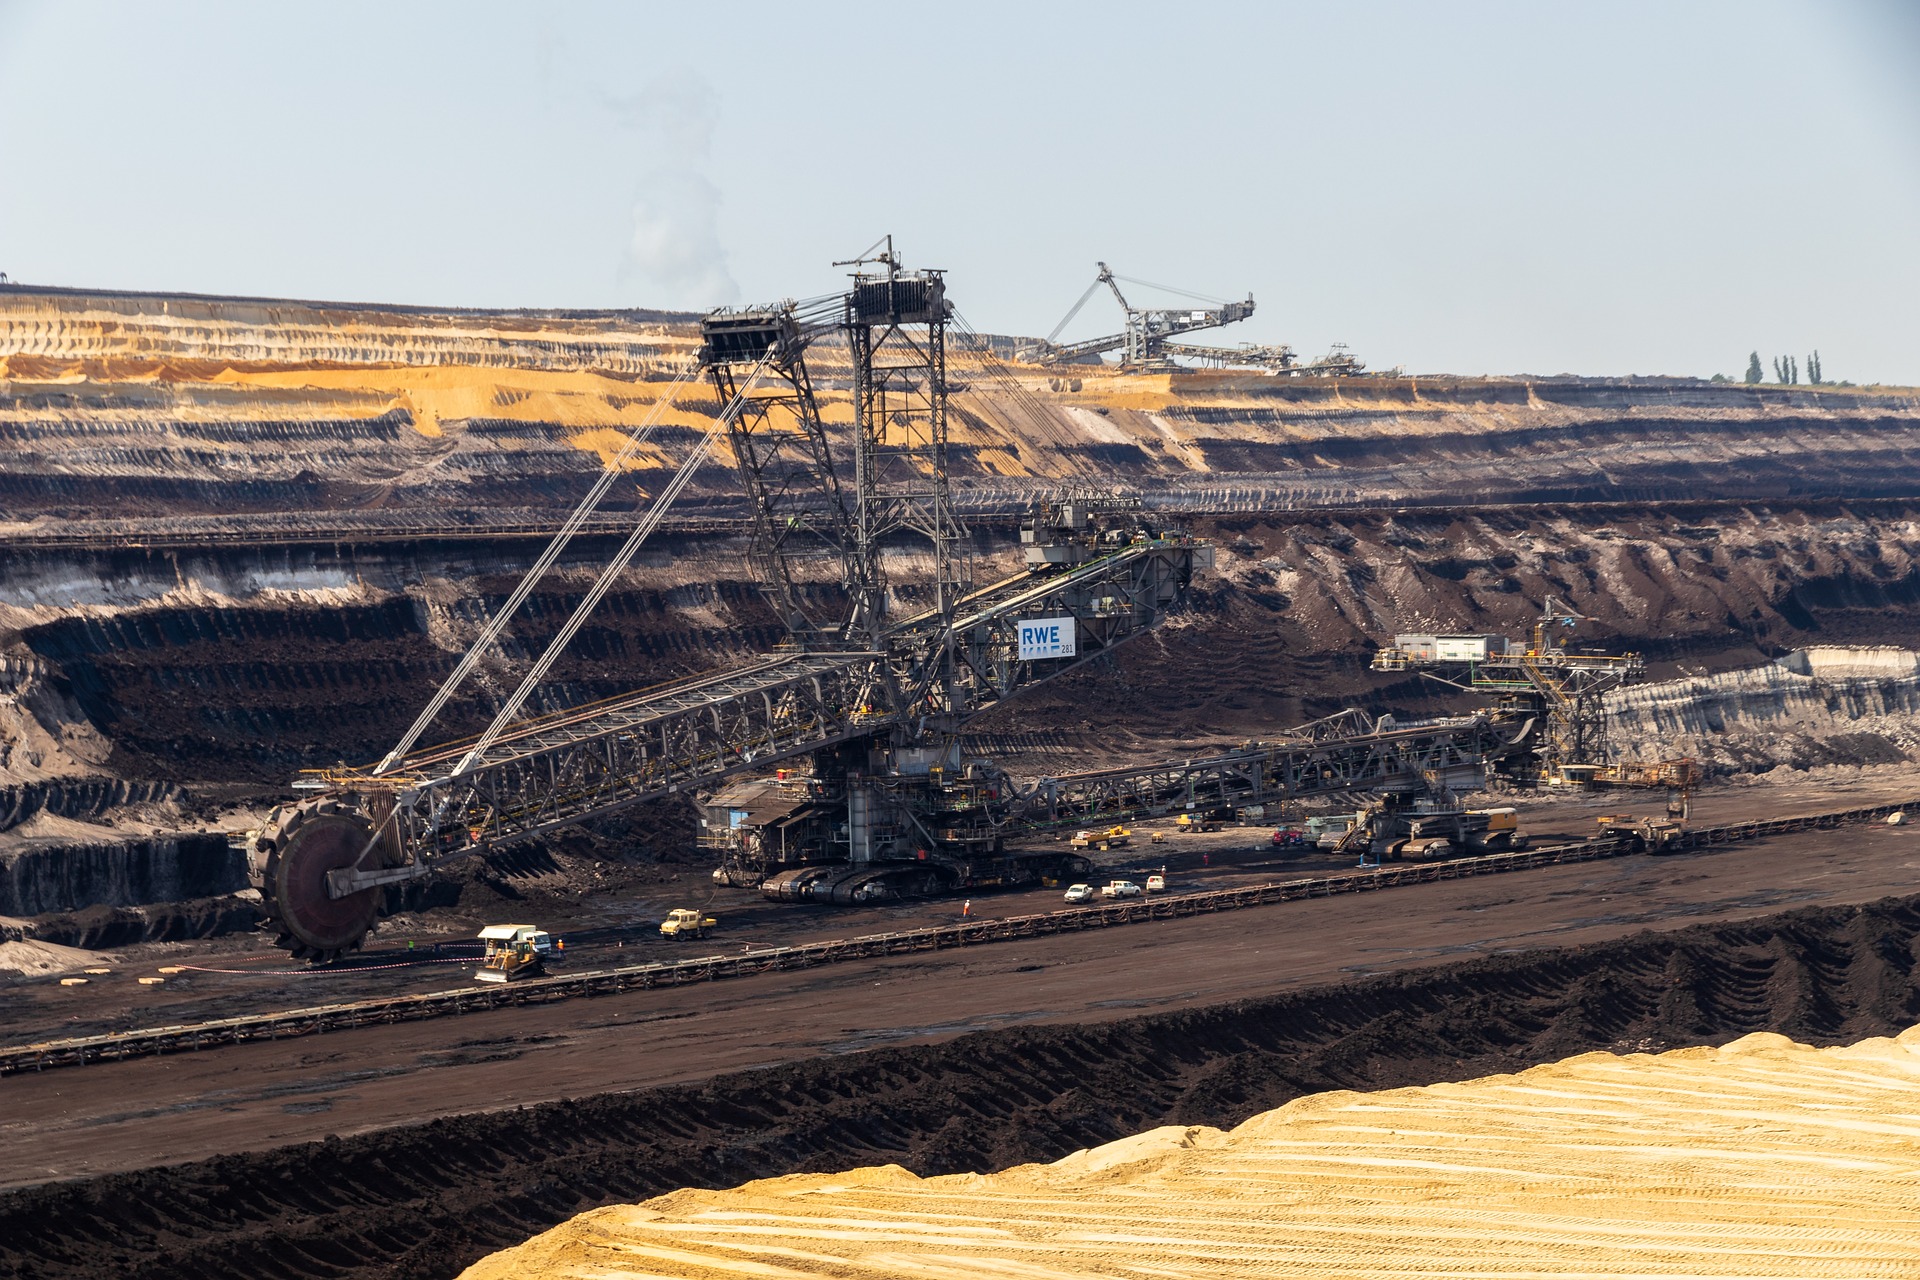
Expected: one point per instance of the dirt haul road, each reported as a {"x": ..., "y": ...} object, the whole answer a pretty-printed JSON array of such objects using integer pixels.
[
  {"x": 612, "y": 921},
  {"x": 130, "y": 1115}
]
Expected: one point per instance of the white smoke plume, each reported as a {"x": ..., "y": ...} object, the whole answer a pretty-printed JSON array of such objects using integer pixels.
[{"x": 675, "y": 259}]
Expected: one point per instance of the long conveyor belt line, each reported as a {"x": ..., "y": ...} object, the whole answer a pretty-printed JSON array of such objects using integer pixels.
[{"x": 437, "y": 1004}]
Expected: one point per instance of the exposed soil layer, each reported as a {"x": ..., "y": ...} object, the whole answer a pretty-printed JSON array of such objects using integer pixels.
[
  {"x": 259, "y": 666},
  {"x": 425, "y": 1201},
  {"x": 118, "y": 406}
]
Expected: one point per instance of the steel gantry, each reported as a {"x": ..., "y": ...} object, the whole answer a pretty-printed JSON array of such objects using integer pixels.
[
  {"x": 1347, "y": 753},
  {"x": 1537, "y": 678},
  {"x": 1143, "y": 341}
]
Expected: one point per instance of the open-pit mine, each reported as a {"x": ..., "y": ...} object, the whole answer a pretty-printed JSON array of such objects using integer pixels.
[{"x": 981, "y": 796}]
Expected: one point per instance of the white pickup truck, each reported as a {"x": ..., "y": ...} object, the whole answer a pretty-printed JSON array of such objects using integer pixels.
[{"x": 1120, "y": 889}]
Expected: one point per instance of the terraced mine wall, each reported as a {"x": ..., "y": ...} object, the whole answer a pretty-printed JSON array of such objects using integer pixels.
[
  {"x": 1825, "y": 705},
  {"x": 63, "y": 876},
  {"x": 234, "y": 667},
  {"x": 424, "y": 1202},
  {"x": 123, "y": 407}
]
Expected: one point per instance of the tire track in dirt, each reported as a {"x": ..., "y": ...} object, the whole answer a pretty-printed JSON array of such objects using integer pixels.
[{"x": 427, "y": 1200}]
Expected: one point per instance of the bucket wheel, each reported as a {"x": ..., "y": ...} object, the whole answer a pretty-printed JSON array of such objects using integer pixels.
[{"x": 289, "y": 864}]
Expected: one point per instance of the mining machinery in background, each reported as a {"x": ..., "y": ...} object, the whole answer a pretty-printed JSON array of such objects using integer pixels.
[
  {"x": 1337, "y": 363},
  {"x": 1563, "y": 689},
  {"x": 1143, "y": 338},
  {"x": 1146, "y": 341},
  {"x": 786, "y": 833}
]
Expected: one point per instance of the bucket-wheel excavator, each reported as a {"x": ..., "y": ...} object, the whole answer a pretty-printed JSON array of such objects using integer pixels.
[
  {"x": 1564, "y": 688},
  {"x": 1147, "y": 342},
  {"x": 872, "y": 697},
  {"x": 866, "y": 700},
  {"x": 1144, "y": 341}
]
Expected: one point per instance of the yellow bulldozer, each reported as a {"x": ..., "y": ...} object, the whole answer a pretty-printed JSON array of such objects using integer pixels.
[{"x": 513, "y": 951}]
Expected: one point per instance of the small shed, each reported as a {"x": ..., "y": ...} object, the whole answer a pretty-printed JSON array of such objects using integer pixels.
[{"x": 502, "y": 936}]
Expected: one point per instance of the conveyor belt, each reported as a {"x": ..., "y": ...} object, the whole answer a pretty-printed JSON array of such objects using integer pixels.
[
  {"x": 477, "y": 998},
  {"x": 632, "y": 713}
]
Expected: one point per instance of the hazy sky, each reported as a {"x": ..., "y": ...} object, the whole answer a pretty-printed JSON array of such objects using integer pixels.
[{"x": 1450, "y": 187}]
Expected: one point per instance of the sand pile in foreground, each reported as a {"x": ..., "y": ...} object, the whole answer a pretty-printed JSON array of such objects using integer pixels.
[{"x": 1762, "y": 1158}]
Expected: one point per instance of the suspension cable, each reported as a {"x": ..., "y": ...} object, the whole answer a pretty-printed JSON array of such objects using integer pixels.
[
  {"x": 1068, "y": 318},
  {"x": 1167, "y": 288},
  {"x": 621, "y": 559},
  {"x": 498, "y": 623},
  {"x": 996, "y": 368}
]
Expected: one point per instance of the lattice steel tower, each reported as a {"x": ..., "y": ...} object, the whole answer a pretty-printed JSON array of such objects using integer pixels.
[{"x": 896, "y": 325}]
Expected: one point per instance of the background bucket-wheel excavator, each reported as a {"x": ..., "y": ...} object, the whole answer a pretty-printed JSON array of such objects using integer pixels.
[
  {"x": 1146, "y": 342},
  {"x": 1541, "y": 680}
]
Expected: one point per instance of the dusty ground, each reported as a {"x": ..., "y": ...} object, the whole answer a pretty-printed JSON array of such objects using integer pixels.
[{"x": 424, "y": 1201}]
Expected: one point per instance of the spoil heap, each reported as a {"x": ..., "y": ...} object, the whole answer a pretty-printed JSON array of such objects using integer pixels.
[{"x": 1761, "y": 1158}]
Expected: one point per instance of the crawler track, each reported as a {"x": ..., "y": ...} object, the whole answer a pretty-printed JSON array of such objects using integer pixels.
[{"x": 322, "y": 1018}]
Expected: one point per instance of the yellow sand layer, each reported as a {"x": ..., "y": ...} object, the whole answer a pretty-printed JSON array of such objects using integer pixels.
[
  {"x": 1762, "y": 1158},
  {"x": 588, "y": 381}
]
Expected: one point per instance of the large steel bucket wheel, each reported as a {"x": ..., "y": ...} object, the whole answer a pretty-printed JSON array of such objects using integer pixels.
[{"x": 300, "y": 845}]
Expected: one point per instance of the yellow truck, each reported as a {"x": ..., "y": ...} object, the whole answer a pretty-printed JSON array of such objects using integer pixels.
[
  {"x": 1196, "y": 822},
  {"x": 1111, "y": 838},
  {"x": 684, "y": 922},
  {"x": 1648, "y": 834}
]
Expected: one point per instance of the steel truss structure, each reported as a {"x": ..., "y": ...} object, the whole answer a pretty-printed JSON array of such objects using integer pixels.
[
  {"x": 897, "y": 326},
  {"x": 1328, "y": 757},
  {"x": 1564, "y": 689},
  {"x": 594, "y": 760},
  {"x": 975, "y": 647},
  {"x": 780, "y": 449},
  {"x": 555, "y": 771},
  {"x": 1144, "y": 341},
  {"x": 859, "y": 692}
]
